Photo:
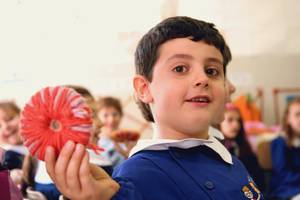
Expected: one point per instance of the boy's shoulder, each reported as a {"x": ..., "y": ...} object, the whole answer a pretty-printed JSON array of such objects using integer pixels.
[
  {"x": 139, "y": 163},
  {"x": 184, "y": 172},
  {"x": 198, "y": 161},
  {"x": 143, "y": 174},
  {"x": 162, "y": 159}
]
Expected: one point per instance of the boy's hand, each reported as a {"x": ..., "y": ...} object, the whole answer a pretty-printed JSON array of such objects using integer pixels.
[{"x": 75, "y": 178}]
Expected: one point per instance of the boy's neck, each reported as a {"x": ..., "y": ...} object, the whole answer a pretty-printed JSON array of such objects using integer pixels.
[{"x": 163, "y": 133}]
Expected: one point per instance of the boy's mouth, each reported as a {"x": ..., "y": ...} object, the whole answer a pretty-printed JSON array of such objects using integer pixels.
[{"x": 199, "y": 99}]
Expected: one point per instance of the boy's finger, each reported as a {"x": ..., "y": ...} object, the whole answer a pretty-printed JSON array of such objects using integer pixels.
[
  {"x": 84, "y": 173},
  {"x": 73, "y": 168},
  {"x": 106, "y": 187},
  {"x": 84, "y": 170},
  {"x": 62, "y": 163},
  {"x": 50, "y": 159}
]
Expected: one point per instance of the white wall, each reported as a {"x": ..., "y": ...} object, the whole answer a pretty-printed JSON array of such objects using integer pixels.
[{"x": 91, "y": 42}]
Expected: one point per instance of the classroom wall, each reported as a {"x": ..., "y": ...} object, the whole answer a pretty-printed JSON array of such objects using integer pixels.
[
  {"x": 91, "y": 43},
  {"x": 266, "y": 72}
]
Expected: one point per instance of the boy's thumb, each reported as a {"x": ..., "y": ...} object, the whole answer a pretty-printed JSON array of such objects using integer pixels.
[
  {"x": 108, "y": 186},
  {"x": 98, "y": 173}
]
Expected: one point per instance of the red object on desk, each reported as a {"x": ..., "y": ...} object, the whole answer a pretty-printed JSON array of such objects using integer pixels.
[{"x": 125, "y": 135}]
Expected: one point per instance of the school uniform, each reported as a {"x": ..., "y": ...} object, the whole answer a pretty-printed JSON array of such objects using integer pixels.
[
  {"x": 285, "y": 179},
  {"x": 250, "y": 162},
  {"x": 13, "y": 156},
  {"x": 160, "y": 169}
]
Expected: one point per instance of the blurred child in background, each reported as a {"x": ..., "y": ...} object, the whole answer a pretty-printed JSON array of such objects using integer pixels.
[
  {"x": 237, "y": 144},
  {"x": 110, "y": 113},
  {"x": 285, "y": 153},
  {"x": 98, "y": 160},
  {"x": 10, "y": 140}
]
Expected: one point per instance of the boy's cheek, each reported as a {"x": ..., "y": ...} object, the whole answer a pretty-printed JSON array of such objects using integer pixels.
[{"x": 218, "y": 116}]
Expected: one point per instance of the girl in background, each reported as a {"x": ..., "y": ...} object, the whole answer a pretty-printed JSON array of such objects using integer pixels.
[
  {"x": 98, "y": 160},
  {"x": 285, "y": 153},
  {"x": 10, "y": 138},
  {"x": 11, "y": 141},
  {"x": 110, "y": 113},
  {"x": 237, "y": 144}
]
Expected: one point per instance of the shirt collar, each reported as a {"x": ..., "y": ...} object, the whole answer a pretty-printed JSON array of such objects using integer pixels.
[
  {"x": 216, "y": 133},
  {"x": 16, "y": 148},
  {"x": 164, "y": 144}
]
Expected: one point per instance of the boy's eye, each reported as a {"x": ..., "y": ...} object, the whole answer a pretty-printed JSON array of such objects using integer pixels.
[
  {"x": 180, "y": 69},
  {"x": 212, "y": 71}
]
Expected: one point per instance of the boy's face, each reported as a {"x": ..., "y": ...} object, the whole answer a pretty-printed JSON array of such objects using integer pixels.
[{"x": 187, "y": 89}]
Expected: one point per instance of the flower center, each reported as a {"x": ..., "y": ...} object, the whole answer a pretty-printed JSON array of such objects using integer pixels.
[{"x": 55, "y": 125}]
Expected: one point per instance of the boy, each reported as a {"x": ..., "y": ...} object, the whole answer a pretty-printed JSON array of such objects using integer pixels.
[{"x": 181, "y": 87}]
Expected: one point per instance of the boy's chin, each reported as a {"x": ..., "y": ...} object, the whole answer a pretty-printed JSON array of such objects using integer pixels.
[{"x": 197, "y": 133}]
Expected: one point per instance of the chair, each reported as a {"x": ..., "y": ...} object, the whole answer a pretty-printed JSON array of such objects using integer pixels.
[{"x": 264, "y": 156}]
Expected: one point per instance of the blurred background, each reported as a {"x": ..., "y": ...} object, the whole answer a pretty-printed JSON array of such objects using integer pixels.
[{"x": 91, "y": 43}]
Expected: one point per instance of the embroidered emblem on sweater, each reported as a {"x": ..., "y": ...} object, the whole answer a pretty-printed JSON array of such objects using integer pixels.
[{"x": 251, "y": 191}]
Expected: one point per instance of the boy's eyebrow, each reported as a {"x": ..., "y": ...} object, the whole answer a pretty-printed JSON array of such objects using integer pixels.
[
  {"x": 212, "y": 59},
  {"x": 187, "y": 56},
  {"x": 180, "y": 56}
]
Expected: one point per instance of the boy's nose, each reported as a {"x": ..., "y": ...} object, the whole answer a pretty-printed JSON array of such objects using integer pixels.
[
  {"x": 202, "y": 83},
  {"x": 200, "y": 78}
]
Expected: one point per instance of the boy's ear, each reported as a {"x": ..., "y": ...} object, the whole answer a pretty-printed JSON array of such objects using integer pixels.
[{"x": 142, "y": 90}]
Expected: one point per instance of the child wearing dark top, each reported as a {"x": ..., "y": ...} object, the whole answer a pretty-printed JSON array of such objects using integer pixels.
[
  {"x": 110, "y": 113},
  {"x": 8, "y": 191},
  {"x": 285, "y": 153},
  {"x": 180, "y": 85},
  {"x": 237, "y": 143},
  {"x": 10, "y": 138}
]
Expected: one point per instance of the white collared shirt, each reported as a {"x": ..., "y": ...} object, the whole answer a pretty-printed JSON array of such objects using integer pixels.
[
  {"x": 164, "y": 144},
  {"x": 16, "y": 148}
]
